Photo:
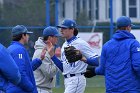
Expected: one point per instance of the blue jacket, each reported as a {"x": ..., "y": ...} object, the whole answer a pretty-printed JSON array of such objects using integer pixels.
[
  {"x": 8, "y": 69},
  {"x": 26, "y": 67},
  {"x": 120, "y": 63}
]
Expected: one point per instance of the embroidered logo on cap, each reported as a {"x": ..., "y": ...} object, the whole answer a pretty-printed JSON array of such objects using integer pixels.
[
  {"x": 138, "y": 48},
  {"x": 63, "y": 22},
  {"x": 71, "y": 24}
]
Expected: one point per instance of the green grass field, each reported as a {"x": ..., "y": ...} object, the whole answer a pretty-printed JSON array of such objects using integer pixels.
[
  {"x": 88, "y": 90},
  {"x": 94, "y": 85}
]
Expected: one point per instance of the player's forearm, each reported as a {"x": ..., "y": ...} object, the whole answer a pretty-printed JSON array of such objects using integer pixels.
[
  {"x": 93, "y": 61},
  {"x": 99, "y": 70},
  {"x": 36, "y": 63},
  {"x": 57, "y": 62}
]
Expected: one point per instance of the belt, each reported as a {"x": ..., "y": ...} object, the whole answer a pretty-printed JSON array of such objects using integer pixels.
[{"x": 71, "y": 75}]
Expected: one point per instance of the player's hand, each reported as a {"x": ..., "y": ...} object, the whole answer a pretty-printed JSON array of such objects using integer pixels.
[
  {"x": 50, "y": 48},
  {"x": 42, "y": 56},
  {"x": 84, "y": 59},
  {"x": 58, "y": 52},
  {"x": 90, "y": 72}
]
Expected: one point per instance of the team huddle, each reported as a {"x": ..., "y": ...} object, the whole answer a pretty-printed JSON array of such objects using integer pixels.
[{"x": 119, "y": 61}]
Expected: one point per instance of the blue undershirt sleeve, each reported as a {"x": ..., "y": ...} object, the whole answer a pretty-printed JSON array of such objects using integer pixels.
[
  {"x": 93, "y": 61},
  {"x": 36, "y": 63},
  {"x": 57, "y": 62},
  {"x": 100, "y": 70}
]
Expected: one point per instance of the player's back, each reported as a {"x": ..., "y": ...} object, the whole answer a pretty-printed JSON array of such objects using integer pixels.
[{"x": 120, "y": 76}]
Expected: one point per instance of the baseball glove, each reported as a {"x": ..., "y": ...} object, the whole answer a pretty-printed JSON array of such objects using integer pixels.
[
  {"x": 72, "y": 54},
  {"x": 90, "y": 72}
]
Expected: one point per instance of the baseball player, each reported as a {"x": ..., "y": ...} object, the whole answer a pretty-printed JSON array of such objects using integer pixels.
[
  {"x": 8, "y": 69},
  {"x": 120, "y": 60},
  {"x": 20, "y": 36},
  {"x": 74, "y": 80},
  {"x": 45, "y": 74}
]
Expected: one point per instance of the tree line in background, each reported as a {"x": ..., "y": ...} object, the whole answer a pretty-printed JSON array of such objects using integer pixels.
[
  {"x": 33, "y": 13},
  {"x": 25, "y": 12}
]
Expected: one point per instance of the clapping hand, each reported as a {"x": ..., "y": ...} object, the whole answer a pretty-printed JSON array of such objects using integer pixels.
[
  {"x": 50, "y": 48},
  {"x": 42, "y": 56}
]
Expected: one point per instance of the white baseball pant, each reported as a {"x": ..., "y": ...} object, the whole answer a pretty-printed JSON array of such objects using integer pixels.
[{"x": 75, "y": 84}]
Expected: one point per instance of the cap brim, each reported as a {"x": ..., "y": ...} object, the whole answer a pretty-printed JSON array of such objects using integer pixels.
[
  {"x": 29, "y": 32},
  {"x": 57, "y": 35},
  {"x": 62, "y": 26},
  {"x": 132, "y": 25}
]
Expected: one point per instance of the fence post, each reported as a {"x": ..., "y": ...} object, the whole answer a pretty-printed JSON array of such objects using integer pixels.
[
  {"x": 56, "y": 23},
  {"x": 47, "y": 12},
  {"x": 111, "y": 19},
  {"x": 56, "y": 12}
]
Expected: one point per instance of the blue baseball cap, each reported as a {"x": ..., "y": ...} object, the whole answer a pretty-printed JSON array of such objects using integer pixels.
[
  {"x": 124, "y": 21},
  {"x": 67, "y": 23},
  {"x": 51, "y": 31},
  {"x": 20, "y": 29}
]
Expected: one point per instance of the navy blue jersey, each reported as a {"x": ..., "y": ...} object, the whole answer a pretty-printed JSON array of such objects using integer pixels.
[
  {"x": 8, "y": 69},
  {"x": 26, "y": 67},
  {"x": 120, "y": 63}
]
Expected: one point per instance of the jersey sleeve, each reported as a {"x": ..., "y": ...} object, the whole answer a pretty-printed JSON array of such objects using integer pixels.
[
  {"x": 135, "y": 57},
  {"x": 57, "y": 62},
  {"x": 100, "y": 70},
  {"x": 88, "y": 52},
  {"x": 36, "y": 63}
]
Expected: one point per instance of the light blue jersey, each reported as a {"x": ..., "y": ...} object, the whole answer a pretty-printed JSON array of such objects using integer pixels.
[{"x": 79, "y": 66}]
